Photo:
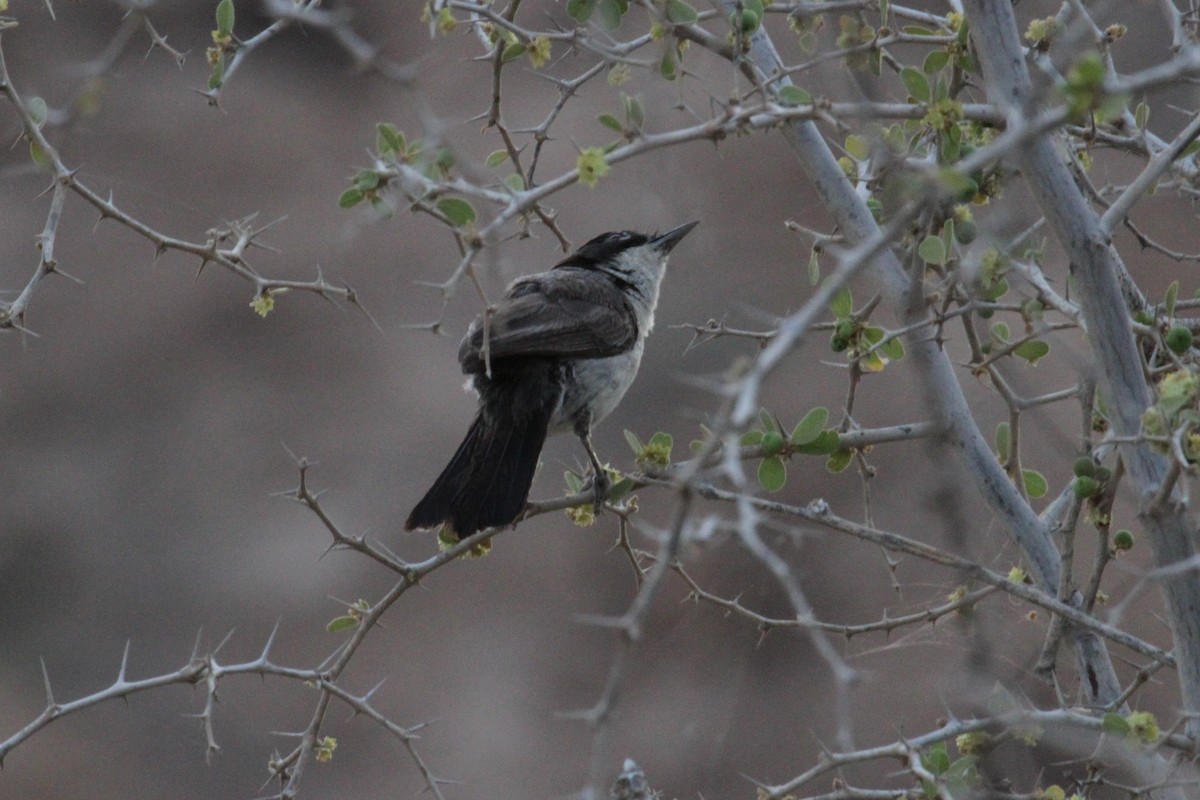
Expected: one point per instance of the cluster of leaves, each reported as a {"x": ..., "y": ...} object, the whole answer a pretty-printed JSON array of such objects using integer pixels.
[
  {"x": 1175, "y": 408},
  {"x": 1138, "y": 727},
  {"x": 1176, "y": 337},
  {"x": 1086, "y": 95},
  {"x": 867, "y": 345},
  {"x": 810, "y": 436},
  {"x": 633, "y": 115},
  {"x": 953, "y": 778},
  {"x": 608, "y": 13},
  {"x": 223, "y": 43},
  {"x": 620, "y": 485},
  {"x": 1175, "y": 411},
  {"x": 394, "y": 149},
  {"x": 351, "y": 619}
]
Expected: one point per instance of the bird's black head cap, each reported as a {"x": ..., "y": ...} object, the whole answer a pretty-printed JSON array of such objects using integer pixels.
[{"x": 603, "y": 248}]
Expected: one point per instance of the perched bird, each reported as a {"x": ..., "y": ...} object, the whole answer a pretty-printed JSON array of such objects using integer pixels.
[{"x": 556, "y": 353}]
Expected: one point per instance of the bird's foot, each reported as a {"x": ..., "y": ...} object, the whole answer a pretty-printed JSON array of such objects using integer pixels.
[{"x": 601, "y": 484}]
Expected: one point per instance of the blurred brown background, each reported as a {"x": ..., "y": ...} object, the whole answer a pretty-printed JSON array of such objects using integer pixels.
[{"x": 146, "y": 427}]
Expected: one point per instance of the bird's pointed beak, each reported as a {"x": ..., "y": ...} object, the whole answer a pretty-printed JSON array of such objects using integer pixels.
[{"x": 665, "y": 241}]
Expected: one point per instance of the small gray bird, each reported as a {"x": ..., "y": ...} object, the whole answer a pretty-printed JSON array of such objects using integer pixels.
[{"x": 556, "y": 354}]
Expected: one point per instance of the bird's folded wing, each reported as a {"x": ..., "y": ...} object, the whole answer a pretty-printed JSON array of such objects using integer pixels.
[{"x": 552, "y": 324}]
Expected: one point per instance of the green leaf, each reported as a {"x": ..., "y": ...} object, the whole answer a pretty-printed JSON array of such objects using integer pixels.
[
  {"x": 581, "y": 10},
  {"x": 872, "y": 362},
  {"x": 1035, "y": 483},
  {"x": 666, "y": 67},
  {"x": 367, "y": 180},
  {"x": 37, "y": 109},
  {"x": 961, "y": 775},
  {"x": 635, "y": 115},
  {"x": 935, "y": 62},
  {"x": 1171, "y": 298},
  {"x": 767, "y": 421},
  {"x": 341, "y": 623},
  {"x": 937, "y": 760},
  {"x": 826, "y": 442},
  {"x": 751, "y": 438},
  {"x": 38, "y": 154},
  {"x": 609, "y": 121},
  {"x": 573, "y": 481},
  {"x": 681, "y": 13},
  {"x": 1000, "y": 332},
  {"x": 916, "y": 84},
  {"x": 950, "y": 145},
  {"x": 514, "y": 50},
  {"x": 793, "y": 96},
  {"x": 996, "y": 290},
  {"x": 388, "y": 140},
  {"x": 814, "y": 268},
  {"x": 772, "y": 473},
  {"x": 458, "y": 211},
  {"x": 810, "y": 427},
  {"x": 610, "y": 14},
  {"x": 1114, "y": 723},
  {"x": 957, "y": 183},
  {"x": 932, "y": 250},
  {"x": 515, "y": 182},
  {"x": 839, "y": 460},
  {"x": 842, "y": 304},
  {"x": 1003, "y": 442},
  {"x": 496, "y": 158},
  {"x": 658, "y": 449},
  {"x": 225, "y": 17},
  {"x": 1032, "y": 350},
  {"x": 350, "y": 198},
  {"x": 635, "y": 443},
  {"x": 1141, "y": 115},
  {"x": 858, "y": 147},
  {"x": 893, "y": 349},
  {"x": 621, "y": 488},
  {"x": 216, "y": 76}
]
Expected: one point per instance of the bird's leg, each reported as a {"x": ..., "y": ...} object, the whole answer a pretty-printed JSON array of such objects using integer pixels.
[{"x": 600, "y": 482}]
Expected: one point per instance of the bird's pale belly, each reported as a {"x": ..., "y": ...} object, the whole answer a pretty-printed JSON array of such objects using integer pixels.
[{"x": 606, "y": 381}]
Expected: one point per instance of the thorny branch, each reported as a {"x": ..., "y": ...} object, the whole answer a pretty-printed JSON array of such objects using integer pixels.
[{"x": 924, "y": 293}]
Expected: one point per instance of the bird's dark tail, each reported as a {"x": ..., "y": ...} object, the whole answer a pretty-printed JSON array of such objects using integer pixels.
[{"x": 487, "y": 481}]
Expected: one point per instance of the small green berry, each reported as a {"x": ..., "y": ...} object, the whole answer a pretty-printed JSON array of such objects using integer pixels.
[
  {"x": 1085, "y": 487},
  {"x": 1123, "y": 540},
  {"x": 1084, "y": 467},
  {"x": 965, "y": 231},
  {"x": 1179, "y": 339},
  {"x": 750, "y": 21},
  {"x": 772, "y": 443},
  {"x": 839, "y": 343}
]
